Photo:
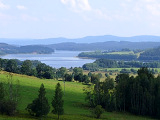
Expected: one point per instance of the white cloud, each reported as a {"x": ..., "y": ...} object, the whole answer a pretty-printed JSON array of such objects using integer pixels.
[
  {"x": 3, "y": 6},
  {"x": 21, "y": 7},
  {"x": 85, "y": 10},
  {"x": 84, "y": 5},
  {"x": 69, "y": 2},
  {"x": 102, "y": 15},
  {"x": 77, "y": 5}
]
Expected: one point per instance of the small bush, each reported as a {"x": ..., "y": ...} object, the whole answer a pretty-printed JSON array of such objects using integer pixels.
[{"x": 97, "y": 112}]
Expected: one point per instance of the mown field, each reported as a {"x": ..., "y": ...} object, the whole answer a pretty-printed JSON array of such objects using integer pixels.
[{"x": 74, "y": 100}]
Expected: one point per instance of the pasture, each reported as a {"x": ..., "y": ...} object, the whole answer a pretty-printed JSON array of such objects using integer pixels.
[{"x": 74, "y": 100}]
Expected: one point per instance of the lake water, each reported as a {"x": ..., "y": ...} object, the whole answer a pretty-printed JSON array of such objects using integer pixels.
[{"x": 58, "y": 59}]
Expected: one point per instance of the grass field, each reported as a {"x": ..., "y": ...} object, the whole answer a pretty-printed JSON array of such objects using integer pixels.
[
  {"x": 73, "y": 100},
  {"x": 123, "y": 53}
]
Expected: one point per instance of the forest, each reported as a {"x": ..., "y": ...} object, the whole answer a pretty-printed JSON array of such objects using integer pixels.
[
  {"x": 145, "y": 55},
  {"x": 106, "y": 63},
  {"x": 138, "y": 94},
  {"x": 28, "y": 49}
]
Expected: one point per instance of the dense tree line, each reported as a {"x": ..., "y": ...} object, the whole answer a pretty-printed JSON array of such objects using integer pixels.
[
  {"x": 105, "y": 63},
  {"x": 27, "y": 67},
  {"x": 139, "y": 95},
  {"x": 38, "y": 49},
  {"x": 41, "y": 70},
  {"x": 101, "y": 55},
  {"x": 151, "y": 54}
]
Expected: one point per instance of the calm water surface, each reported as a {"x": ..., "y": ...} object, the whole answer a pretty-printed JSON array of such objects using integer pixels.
[{"x": 58, "y": 59}]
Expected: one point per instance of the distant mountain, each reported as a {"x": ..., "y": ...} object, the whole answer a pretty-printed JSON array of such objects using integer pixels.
[
  {"x": 10, "y": 49},
  {"x": 110, "y": 45},
  {"x": 89, "y": 39}
]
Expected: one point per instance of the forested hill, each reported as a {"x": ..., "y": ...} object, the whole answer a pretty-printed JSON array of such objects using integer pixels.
[
  {"x": 10, "y": 49},
  {"x": 88, "y": 39},
  {"x": 110, "y": 45},
  {"x": 151, "y": 54}
]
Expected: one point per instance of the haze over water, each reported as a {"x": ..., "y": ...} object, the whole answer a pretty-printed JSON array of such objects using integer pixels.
[{"x": 58, "y": 59}]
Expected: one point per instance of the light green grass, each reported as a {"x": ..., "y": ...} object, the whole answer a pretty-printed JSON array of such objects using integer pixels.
[
  {"x": 73, "y": 100},
  {"x": 123, "y": 53}
]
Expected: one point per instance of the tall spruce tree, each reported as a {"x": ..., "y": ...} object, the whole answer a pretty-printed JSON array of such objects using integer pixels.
[
  {"x": 40, "y": 106},
  {"x": 1, "y": 97},
  {"x": 57, "y": 102}
]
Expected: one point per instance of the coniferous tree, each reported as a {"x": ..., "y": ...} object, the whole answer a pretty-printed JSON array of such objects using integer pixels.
[
  {"x": 40, "y": 106},
  {"x": 1, "y": 97},
  {"x": 57, "y": 102}
]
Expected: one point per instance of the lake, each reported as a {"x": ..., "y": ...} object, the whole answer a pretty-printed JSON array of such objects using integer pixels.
[{"x": 58, "y": 59}]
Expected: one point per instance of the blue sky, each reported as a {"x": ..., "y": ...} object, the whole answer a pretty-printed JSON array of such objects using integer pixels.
[{"x": 78, "y": 18}]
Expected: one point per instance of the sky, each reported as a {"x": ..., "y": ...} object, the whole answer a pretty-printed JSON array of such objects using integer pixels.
[{"x": 78, "y": 18}]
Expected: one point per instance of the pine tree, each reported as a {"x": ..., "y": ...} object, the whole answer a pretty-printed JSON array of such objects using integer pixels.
[
  {"x": 57, "y": 102},
  {"x": 39, "y": 107},
  {"x": 1, "y": 97}
]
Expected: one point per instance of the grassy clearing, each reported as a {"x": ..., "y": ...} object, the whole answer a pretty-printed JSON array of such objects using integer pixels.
[
  {"x": 73, "y": 100},
  {"x": 123, "y": 53}
]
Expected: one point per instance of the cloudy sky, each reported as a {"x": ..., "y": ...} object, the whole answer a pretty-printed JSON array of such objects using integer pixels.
[{"x": 78, "y": 18}]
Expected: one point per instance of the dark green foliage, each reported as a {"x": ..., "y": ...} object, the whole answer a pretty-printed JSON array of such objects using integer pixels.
[
  {"x": 32, "y": 68},
  {"x": 100, "y": 75},
  {"x": 138, "y": 95},
  {"x": 40, "y": 106},
  {"x": 9, "y": 49},
  {"x": 97, "y": 112},
  {"x": 125, "y": 71},
  {"x": 26, "y": 68},
  {"x": 68, "y": 77},
  {"x": 45, "y": 71},
  {"x": 91, "y": 67},
  {"x": 89, "y": 74},
  {"x": 78, "y": 74},
  {"x": 95, "y": 78},
  {"x": 151, "y": 54},
  {"x": 105, "y": 63},
  {"x": 11, "y": 66},
  {"x": 1, "y": 91},
  {"x": 77, "y": 70},
  {"x": 106, "y": 74},
  {"x": 78, "y": 77},
  {"x": 9, "y": 97},
  {"x": 1, "y": 97},
  {"x": 108, "y": 95},
  {"x": 34, "y": 49},
  {"x": 102, "y": 94},
  {"x": 103, "y": 55},
  {"x": 85, "y": 79},
  {"x": 57, "y": 102},
  {"x": 61, "y": 72},
  {"x": 9, "y": 107}
]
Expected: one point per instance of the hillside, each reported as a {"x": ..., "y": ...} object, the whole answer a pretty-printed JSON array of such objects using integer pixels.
[
  {"x": 110, "y": 45},
  {"x": 151, "y": 54},
  {"x": 10, "y": 49},
  {"x": 74, "y": 100}
]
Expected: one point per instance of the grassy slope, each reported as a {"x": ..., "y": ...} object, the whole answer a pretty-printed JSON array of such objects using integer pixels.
[
  {"x": 73, "y": 99},
  {"x": 123, "y": 53}
]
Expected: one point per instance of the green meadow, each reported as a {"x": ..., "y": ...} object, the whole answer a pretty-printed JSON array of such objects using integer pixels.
[
  {"x": 123, "y": 53},
  {"x": 74, "y": 100}
]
